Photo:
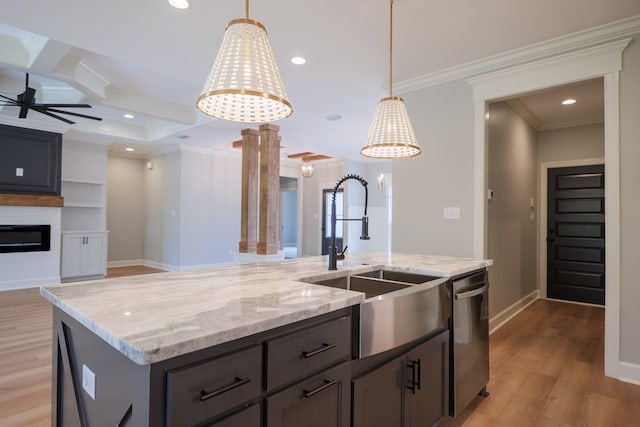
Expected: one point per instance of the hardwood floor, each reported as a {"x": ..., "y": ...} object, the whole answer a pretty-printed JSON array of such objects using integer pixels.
[
  {"x": 134, "y": 270},
  {"x": 546, "y": 369}
]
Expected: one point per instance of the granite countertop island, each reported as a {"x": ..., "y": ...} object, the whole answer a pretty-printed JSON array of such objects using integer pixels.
[{"x": 156, "y": 317}]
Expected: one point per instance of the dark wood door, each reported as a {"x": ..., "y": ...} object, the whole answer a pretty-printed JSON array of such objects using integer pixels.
[
  {"x": 575, "y": 234},
  {"x": 428, "y": 402},
  {"x": 327, "y": 195},
  {"x": 321, "y": 401},
  {"x": 378, "y": 397}
]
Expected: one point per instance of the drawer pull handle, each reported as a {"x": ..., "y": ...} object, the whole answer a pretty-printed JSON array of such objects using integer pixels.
[
  {"x": 206, "y": 395},
  {"x": 325, "y": 347},
  {"x": 326, "y": 385}
]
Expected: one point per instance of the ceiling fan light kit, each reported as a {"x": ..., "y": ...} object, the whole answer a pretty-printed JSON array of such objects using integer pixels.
[
  {"x": 390, "y": 134},
  {"x": 244, "y": 84}
]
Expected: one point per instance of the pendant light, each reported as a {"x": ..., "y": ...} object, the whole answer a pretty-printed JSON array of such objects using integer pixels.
[
  {"x": 244, "y": 84},
  {"x": 390, "y": 134}
]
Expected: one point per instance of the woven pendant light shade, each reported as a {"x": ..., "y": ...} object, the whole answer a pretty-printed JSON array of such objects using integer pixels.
[
  {"x": 244, "y": 83},
  {"x": 390, "y": 134}
]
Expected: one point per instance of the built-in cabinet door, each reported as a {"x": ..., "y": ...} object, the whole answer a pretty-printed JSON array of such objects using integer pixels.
[
  {"x": 428, "y": 382},
  {"x": 320, "y": 401},
  {"x": 83, "y": 254},
  {"x": 378, "y": 397}
]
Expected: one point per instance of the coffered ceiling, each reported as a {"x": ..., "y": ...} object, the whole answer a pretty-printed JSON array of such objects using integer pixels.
[{"x": 148, "y": 59}]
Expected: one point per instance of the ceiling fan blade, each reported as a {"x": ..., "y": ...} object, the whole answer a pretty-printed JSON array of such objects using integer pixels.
[
  {"x": 55, "y": 116},
  {"x": 74, "y": 114},
  {"x": 64, "y": 105}
]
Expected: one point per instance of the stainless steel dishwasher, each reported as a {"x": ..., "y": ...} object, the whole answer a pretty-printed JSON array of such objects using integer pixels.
[{"x": 469, "y": 340}]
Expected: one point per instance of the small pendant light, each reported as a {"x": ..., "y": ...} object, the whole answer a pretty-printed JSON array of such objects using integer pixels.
[
  {"x": 390, "y": 134},
  {"x": 244, "y": 84}
]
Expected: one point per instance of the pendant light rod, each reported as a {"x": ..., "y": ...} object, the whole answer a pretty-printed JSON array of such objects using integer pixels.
[
  {"x": 246, "y": 9},
  {"x": 390, "y": 48}
]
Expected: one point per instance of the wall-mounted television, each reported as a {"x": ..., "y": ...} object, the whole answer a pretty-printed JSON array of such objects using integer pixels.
[{"x": 30, "y": 161}]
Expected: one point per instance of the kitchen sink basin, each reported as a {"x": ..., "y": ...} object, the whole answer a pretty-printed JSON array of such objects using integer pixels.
[{"x": 399, "y": 306}]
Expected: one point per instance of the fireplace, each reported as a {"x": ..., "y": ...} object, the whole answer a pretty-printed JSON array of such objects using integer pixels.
[{"x": 25, "y": 238}]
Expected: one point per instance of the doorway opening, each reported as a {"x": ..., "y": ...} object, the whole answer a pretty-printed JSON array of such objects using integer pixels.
[
  {"x": 327, "y": 195},
  {"x": 289, "y": 217}
]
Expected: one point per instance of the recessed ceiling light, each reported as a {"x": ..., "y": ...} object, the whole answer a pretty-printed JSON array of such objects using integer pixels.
[
  {"x": 298, "y": 60},
  {"x": 568, "y": 101},
  {"x": 128, "y": 116},
  {"x": 179, "y": 4},
  {"x": 129, "y": 149}
]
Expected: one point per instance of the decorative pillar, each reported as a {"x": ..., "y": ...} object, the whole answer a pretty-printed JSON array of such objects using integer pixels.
[
  {"x": 249, "y": 203},
  {"x": 268, "y": 243}
]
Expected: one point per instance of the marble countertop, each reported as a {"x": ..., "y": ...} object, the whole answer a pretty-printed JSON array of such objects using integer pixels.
[{"x": 155, "y": 317}]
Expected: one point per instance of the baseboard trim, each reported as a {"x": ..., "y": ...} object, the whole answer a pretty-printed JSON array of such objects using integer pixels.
[
  {"x": 11, "y": 285},
  {"x": 497, "y": 321},
  {"x": 575, "y": 302},
  {"x": 160, "y": 265},
  {"x": 125, "y": 263},
  {"x": 629, "y": 372}
]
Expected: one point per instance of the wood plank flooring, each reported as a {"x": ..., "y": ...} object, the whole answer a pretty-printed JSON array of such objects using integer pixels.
[{"x": 546, "y": 369}]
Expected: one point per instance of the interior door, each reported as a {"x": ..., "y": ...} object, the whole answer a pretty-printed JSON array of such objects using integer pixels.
[
  {"x": 327, "y": 194},
  {"x": 575, "y": 234}
]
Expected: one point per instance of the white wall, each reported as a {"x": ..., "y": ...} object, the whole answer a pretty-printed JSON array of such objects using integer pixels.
[
  {"x": 125, "y": 210},
  {"x": 377, "y": 209},
  {"x": 512, "y": 154},
  {"x": 210, "y": 197},
  {"x": 630, "y": 203},
  {"x": 442, "y": 176},
  {"x": 162, "y": 208}
]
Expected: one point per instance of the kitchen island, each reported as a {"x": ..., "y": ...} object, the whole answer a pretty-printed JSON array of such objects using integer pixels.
[{"x": 128, "y": 351}]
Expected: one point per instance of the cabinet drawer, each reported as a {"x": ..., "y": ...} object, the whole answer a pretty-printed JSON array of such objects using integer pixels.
[
  {"x": 200, "y": 392},
  {"x": 300, "y": 353},
  {"x": 322, "y": 400},
  {"x": 249, "y": 417}
]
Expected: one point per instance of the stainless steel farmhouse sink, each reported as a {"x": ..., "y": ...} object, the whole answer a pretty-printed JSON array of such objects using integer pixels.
[{"x": 399, "y": 306}]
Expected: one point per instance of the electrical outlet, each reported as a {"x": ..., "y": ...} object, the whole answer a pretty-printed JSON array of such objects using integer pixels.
[
  {"x": 451, "y": 213},
  {"x": 89, "y": 381},
  {"x": 19, "y": 172}
]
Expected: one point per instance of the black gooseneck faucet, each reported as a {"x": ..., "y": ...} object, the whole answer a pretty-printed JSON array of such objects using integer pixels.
[{"x": 364, "y": 235}]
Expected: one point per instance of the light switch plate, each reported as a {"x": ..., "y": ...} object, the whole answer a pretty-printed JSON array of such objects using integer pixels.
[
  {"x": 451, "y": 213},
  {"x": 89, "y": 381},
  {"x": 19, "y": 172}
]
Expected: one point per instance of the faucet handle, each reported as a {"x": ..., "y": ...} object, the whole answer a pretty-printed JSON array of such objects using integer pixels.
[{"x": 341, "y": 255}]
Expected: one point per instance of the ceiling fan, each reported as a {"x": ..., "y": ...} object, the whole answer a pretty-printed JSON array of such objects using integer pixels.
[{"x": 27, "y": 100}]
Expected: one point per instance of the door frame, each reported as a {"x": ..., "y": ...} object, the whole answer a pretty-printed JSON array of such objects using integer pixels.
[
  {"x": 542, "y": 215},
  {"x": 597, "y": 60}
]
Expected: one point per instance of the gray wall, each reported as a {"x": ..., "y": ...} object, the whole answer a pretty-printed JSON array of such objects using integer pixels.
[
  {"x": 511, "y": 233},
  {"x": 581, "y": 142},
  {"x": 442, "y": 176},
  {"x": 630, "y": 202},
  {"x": 125, "y": 209}
]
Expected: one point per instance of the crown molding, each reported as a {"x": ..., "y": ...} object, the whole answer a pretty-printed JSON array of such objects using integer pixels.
[{"x": 580, "y": 40}]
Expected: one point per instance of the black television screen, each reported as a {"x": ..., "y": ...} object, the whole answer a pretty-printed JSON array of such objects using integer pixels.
[{"x": 30, "y": 161}]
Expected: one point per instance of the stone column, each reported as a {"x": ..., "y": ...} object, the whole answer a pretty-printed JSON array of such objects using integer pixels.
[
  {"x": 268, "y": 243},
  {"x": 249, "y": 203}
]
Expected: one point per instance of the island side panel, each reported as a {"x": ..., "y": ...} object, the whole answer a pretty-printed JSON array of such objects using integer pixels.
[{"x": 121, "y": 391}]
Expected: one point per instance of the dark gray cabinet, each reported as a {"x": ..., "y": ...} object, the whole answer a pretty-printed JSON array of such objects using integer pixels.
[
  {"x": 410, "y": 390},
  {"x": 320, "y": 401},
  {"x": 249, "y": 417}
]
